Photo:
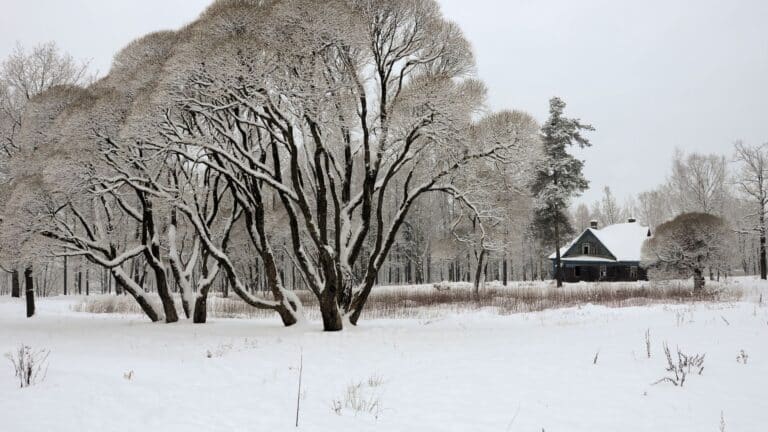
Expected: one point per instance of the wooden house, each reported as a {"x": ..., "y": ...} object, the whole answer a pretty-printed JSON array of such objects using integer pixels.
[{"x": 608, "y": 254}]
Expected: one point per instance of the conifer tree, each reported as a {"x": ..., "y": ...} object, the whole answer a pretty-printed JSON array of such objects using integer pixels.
[{"x": 558, "y": 179}]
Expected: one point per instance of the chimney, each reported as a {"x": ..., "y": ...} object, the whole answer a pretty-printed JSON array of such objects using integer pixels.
[
  {"x": 593, "y": 224},
  {"x": 632, "y": 220}
]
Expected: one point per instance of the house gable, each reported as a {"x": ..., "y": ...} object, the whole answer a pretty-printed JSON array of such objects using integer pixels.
[{"x": 588, "y": 245}]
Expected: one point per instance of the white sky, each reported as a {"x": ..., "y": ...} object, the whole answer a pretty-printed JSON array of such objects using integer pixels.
[{"x": 650, "y": 75}]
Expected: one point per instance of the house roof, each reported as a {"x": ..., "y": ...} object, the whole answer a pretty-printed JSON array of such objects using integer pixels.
[
  {"x": 586, "y": 258},
  {"x": 624, "y": 241}
]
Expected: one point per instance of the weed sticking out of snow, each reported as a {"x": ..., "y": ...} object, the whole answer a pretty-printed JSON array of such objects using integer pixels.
[
  {"x": 128, "y": 375},
  {"x": 361, "y": 398},
  {"x": 376, "y": 381},
  {"x": 742, "y": 357},
  {"x": 224, "y": 348},
  {"x": 648, "y": 343},
  {"x": 684, "y": 366},
  {"x": 219, "y": 351},
  {"x": 30, "y": 365}
]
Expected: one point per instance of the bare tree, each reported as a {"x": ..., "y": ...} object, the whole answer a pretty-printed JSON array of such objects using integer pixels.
[
  {"x": 653, "y": 207},
  {"x": 324, "y": 120},
  {"x": 611, "y": 211},
  {"x": 752, "y": 181},
  {"x": 698, "y": 183},
  {"x": 582, "y": 217},
  {"x": 25, "y": 74},
  {"x": 496, "y": 195}
]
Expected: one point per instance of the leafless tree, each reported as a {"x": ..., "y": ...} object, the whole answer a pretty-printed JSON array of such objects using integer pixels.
[
  {"x": 581, "y": 217},
  {"x": 496, "y": 195},
  {"x": 26, "y": 74},
  {"x": 322, "y": 121},
  {"x": 698, "y": 183},
  {"x": 611, "y": 211},
  {"x": 752, "y": 182}
]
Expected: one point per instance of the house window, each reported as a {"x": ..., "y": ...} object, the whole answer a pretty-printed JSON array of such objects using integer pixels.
[
  {"x": 603, "y": 271},
  {"x": 587, "y": 249},
  {"x": 577, "y": 271},
  {"x": 633, "y": 272}
]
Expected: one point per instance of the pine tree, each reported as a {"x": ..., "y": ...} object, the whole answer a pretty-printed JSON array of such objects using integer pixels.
[{"x": 558, "y": 179}]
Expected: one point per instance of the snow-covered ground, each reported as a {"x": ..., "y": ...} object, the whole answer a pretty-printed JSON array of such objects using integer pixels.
[{"x": 477, "y": 371}]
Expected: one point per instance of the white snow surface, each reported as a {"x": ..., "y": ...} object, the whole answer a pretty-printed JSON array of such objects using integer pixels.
[
  {"x": 624, "y": 241},
  {"x": 477, "y": 371}
]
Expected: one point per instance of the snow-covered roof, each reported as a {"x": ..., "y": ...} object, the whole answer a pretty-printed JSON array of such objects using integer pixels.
[
  {"x": 624, "y": 241},
  {"x": 590, "y": 258}
]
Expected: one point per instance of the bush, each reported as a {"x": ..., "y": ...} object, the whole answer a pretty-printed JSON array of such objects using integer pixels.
[{"x": 30, "y": 366}]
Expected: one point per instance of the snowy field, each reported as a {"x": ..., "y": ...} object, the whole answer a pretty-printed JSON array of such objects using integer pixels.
[{"x": 575, "y": 369}]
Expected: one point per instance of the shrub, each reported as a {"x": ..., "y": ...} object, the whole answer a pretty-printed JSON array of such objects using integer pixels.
[{"x": 30, "y": 365}]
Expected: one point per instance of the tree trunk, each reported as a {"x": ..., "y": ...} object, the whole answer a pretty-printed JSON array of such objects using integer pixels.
[
  {"x": 169, "y": 307},
  {"x": 15, "y": 285},
  {"x": 698, "y": 281},
  {"x": 478, "y": 275},
  {"x": 558, "y": 264},
  {"x": 121, "y": 285},
  {"x": 329, "y": 309},
  {"x": 66, "y": 276},
  {"x": 504, "y": 270},
  {"x": 200, "y": 315},
  {"x": 29, "y": 289},
  {"x": 763, "y": 270}
]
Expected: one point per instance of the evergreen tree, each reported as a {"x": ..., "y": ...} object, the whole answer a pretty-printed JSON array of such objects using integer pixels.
[{"x": 558, "y": 179}]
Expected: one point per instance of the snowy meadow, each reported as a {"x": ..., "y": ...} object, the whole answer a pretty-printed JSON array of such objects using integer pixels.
[{"x": 584, "y": 367}]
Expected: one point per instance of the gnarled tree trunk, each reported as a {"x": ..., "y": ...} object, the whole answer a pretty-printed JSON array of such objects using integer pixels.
[{"x": 124, "y": 284}]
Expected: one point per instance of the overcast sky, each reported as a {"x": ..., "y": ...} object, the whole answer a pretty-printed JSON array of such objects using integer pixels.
[{"x": 649, "y": 75}]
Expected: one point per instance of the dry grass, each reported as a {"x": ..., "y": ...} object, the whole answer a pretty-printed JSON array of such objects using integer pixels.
[{"x": 425, "y": 301}]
